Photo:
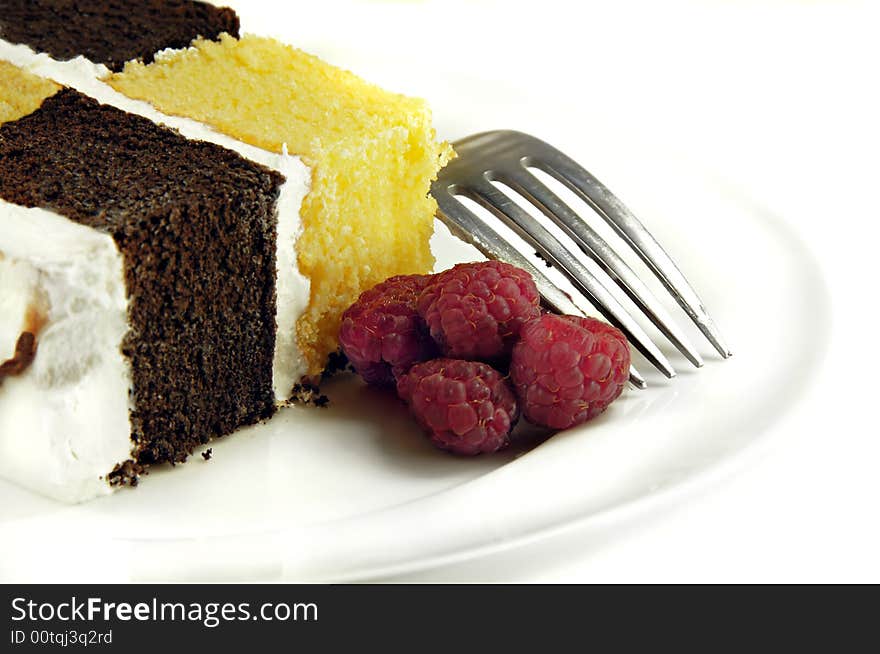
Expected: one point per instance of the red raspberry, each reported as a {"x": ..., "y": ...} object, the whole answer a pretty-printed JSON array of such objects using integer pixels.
[
  {"x": 567, "y": 370},
  {"x": 476, "y": 310},
  {"x": 466, "y": 407},
  {"x": 382, "y": 334}
]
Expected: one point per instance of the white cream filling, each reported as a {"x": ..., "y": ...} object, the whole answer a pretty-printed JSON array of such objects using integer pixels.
[
  {"x": 292, "y": 287},
  {"x": 64, "y": 423}
]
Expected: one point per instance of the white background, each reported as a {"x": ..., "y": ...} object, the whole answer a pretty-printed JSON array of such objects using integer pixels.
[{"x": 776, "y": 98}]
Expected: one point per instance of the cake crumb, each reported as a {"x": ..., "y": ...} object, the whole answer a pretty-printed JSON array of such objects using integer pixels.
[
  {"x": 207, "y": 454},
  {"x": 309, "y": 395},
  {"x": 337, "y": 362},
  {"x": 126, "y": 474},
  {"x": 322, "y": 401}
]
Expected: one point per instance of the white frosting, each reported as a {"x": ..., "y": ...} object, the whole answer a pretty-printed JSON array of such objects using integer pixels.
[
  {"x": 63, "y": 422},
  {"x": 291, "y": 286}
]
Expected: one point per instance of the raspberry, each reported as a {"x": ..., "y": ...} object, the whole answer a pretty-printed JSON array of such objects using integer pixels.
[
  {"x": 464, "y": 406},
  {"x": 476, "y": 310},
  {"x": 382, "y": 334},
  {"x": 567, "y": 370}
]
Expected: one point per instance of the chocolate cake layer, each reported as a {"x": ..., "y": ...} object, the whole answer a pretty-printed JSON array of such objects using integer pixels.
[
  {"x": 196, "y": 227},
  {"x": 111, "y": 32}
]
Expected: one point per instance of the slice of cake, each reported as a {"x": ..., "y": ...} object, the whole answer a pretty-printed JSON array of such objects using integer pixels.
[
  {"x": 373, "y": 156},
  {"x": 139, "y": 285},
  {"x": 159, "y": 289}
]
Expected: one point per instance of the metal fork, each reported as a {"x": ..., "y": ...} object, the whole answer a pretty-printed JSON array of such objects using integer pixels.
[{"x": 505, "y": 156}]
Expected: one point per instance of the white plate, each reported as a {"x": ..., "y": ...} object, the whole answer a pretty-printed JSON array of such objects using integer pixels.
[{"x": 356, "y": 492}]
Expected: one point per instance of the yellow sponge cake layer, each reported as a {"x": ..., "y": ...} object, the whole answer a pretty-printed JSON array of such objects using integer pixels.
[
  {"x": 373, "y": 156},
  {"x": 21, "y": 93}
]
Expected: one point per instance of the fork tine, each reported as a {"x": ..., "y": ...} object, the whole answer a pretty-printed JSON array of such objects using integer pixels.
[
  {"x": 636, "y": 379},
  {"x": 616, "y": 214},
  {"x": 470, "y": 228},
  {"x": 602, "y": 253},
  {"x": 555, "y": 252}
]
